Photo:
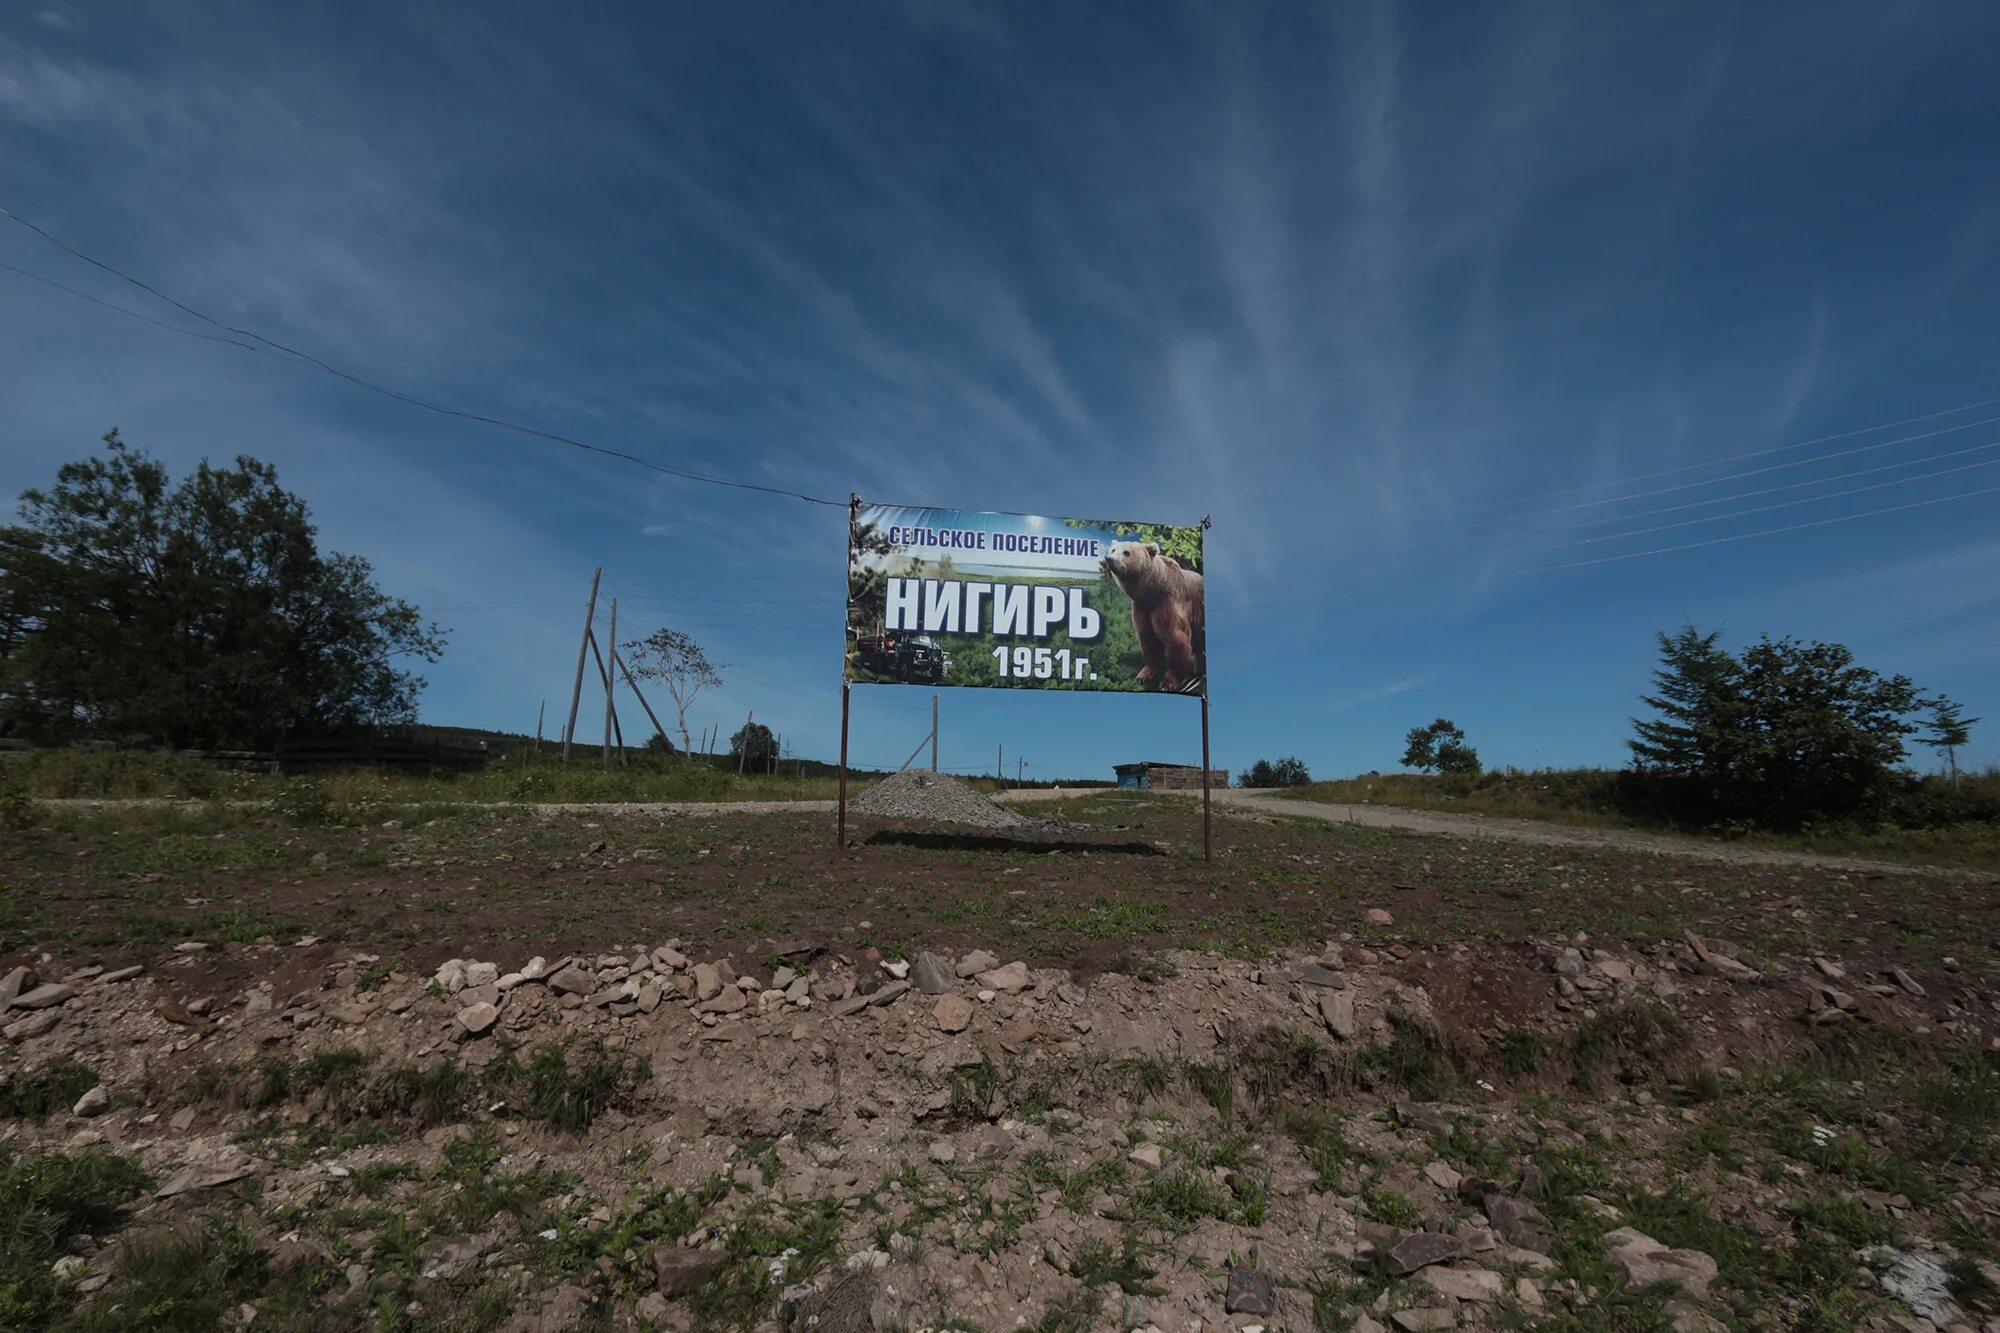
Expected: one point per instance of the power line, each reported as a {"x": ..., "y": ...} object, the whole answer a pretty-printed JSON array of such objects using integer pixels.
[
  {"x": 1766, "y": 532},
  {"x": 1763, "y": 509},
  {"x": 1735, "y": 458},
  {"x": 441, "y": 409},
  {"x": 1731, "y": 499},
  {"x": 1759, "y": 471}
]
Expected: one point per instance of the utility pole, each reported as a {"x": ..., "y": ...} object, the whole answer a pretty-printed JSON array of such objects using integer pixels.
[
  {"x": 539, "y": 714},
  {"x": 934, "y": 736},
  {"x": 582, "y": 651},
  {"x": 610, "y": 683},
  {"x": 743, "y": 752},
  {"x": 1000, "y": 765},
  {"x": 1021, "y": 778}
]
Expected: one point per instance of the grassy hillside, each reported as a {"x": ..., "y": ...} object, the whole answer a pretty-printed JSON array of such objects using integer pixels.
[{"x": 1610, "y": 798}]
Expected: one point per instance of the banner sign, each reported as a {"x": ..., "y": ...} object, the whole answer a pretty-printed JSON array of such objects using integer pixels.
[{"x": 948, "y": 597}]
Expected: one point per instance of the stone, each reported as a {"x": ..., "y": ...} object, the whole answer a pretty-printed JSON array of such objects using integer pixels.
[
  {"x": 707, "y": 981},
  {"x": 509, "y": 981},
  {"x": 1442, "y": 1175},
  {"x": 1147, "y": 1155},
  {"x": 114, "y": 976},
  {"x": 12, "y": 985},
  {"x": 726, "y": 1000},
  {"x": 1465, "y": 1284},
  {"x": 95, "y": 1102},
  {"x": 976, "y": 962},
  {"x": 680, "y": 1272},
  {"x": 481, "y": 974},
  {"x": 478, "y": 1019},
  {"x": 898, "y": 969},
  {"x": 890, "y": 993},
  {"x": 1375, "y": 916},
  {"x": 1518, "y": 1222},
  {"x": 932, "y": 974},
  {"x": 1336, "y": 1010},
  {"x": 219, "y": 1168},
  {"x": 34, "y": 1025},
  {"x": 669, "y": 959},
  {"x": 44, "y": 997},
  {"x": 1420, "y": 1249},
  {"x": 650, "y": 995},
  {"x": 782, "y": 976},
  {"x": 1642, "y": 1261},
  {"x": 450, "y": 976},
  {"x": 1250, "y": 1291},
  {"x": 1526, "y": 1294},
  {"x": 486, "y": 994},
  {"x": 1905, "y": 981},
  {"x": 1007, "y": 980},
  {"x": 572, "y": 980},
  {"x": 1414, "y": 1321},
  {"x": 1365, "y": 1324},
  {"x": 538, "y": 968},
  {"x": 953, "y": 1013},
  {"x": 1312, "y": 974},
  {"x": 1569, "y": 963}
]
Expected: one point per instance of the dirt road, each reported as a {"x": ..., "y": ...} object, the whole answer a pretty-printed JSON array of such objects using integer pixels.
[{"x": 1454, "y": 825}]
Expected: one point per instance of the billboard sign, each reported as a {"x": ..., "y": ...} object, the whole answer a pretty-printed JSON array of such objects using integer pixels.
[{"x": 951, "y": 597}]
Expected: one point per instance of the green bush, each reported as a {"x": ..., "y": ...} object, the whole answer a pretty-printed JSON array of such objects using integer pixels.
[{"x": 45, "y": 1200}]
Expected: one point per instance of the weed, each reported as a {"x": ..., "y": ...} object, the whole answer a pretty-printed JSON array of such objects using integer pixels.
[
  {"x": 1177, "y": 1200},
  {"x": 1391, "y": 1208},
  {"x": 55, "y": 1086},
  {"x": 569, "y": 1094},
  {"x": 1415, "y": 1059},
  {"x": 1216, "y": 1085},
  {"x": 179, "y": 1281},
  {"x": 1097, "y": 1264},
  {"x": 1640, "y": 1035},
  {"x": 1521, "y": 1052},
  {"x": 1149, "y": 1075},
  {"x": 975, "y": 1091},
  {"x": 1322, "y": 1138},
  {"x": 45, "y": 1200}
]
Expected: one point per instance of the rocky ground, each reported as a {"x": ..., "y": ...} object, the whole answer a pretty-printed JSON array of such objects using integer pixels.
[{"x": 1377, "y": 1128}]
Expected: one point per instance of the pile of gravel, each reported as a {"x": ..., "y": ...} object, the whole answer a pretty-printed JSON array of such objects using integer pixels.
[{"x": 932, "y": 798}]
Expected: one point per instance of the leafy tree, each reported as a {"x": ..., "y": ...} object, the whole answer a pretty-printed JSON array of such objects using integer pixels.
[
  {"x": 1695, "y": 702},
  {"x": 1287, "y": 772},
  {"x": 1440, "y": 747},
  {"x": 197, "y": 613},
  {"x": 657, "y": 743},
  {"x": 754, "y": 746},
  {"x": 1949, "y": 730},
  {"x": 673, "y": 658},
  {"x": 1787, "y": 733}
]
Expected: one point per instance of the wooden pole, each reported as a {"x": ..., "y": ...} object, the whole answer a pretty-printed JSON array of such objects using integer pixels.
[
  {"x": 610, "y": 681},
  {"x": 618, "y": 664},
  {"x": 841, "y": 834},
  {"x": 934, "y": 735},
  {"x": 1000, "y": 765},
  {"x": 582, "y": 650},
  {"x": 744, "y": 753},
  {"x": 540, "y": 713},
  {"x": 1207, "y": 841}
]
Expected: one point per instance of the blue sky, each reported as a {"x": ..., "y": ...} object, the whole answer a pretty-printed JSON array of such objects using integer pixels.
[{"x": 1340, "y": 277}]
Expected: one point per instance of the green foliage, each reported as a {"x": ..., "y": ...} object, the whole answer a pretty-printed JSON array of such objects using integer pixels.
[
  {"x": 1287, "y": 772},
  {"x": 39, "y": 1093},
  {"x": 1391, "y": 1208},
  {"x": 1950, "y": 730},
  {"x": 1440, "y": 748},
  {"x": 754, "y": 746},
  {"x": 676, "y": 661},
  {"x": 245, "y": 629},
  {"x": 44, "y": 1201},
  {"x": 1787, "y": 734},
  {"x": 568, "y": 1091}
]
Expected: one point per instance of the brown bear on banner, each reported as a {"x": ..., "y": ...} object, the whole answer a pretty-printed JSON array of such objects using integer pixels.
[{"x": 1166, "y": 612}]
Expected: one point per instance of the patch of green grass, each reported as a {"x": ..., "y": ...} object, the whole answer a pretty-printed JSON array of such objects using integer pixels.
[
  {"x": 44, "y": 1200},
  {"x": 803, "y": 1235},
  {"x": 179, "y": 1281},
  {"x": 1216, "y": 1084},
  {"x": 1098, "y": 1264},
  {"x": 1178, "y": 1199},
  {"x": 1391, "y": 1208},
  {"x": 1415, "y": 1059},
  {"x": 1148, "y": 1075},
  {"x": 39, "y": 1093},
  {"x": 568, "y": 1090},
  {"x": 1521, "y": 1052},
  {"x": 1105, "y": 917},
  {"x": 1322, "y": 1138},
  {"x": 1640, "y": 1035}
]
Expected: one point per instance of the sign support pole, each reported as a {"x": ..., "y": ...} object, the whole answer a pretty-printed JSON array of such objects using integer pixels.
[
  {"x": 845, "y": 691},
  {"x": 1207, "y": 842}
]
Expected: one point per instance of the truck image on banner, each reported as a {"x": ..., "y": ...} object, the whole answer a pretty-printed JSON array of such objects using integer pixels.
[{"x": 949, "y": 597}]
